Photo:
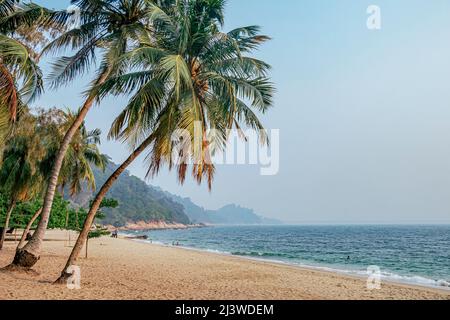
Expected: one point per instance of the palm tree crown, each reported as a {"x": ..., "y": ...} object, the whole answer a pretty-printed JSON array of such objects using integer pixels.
[
  {"x": 188, "y": 71},
  {"x": 20, "y": 76},
  {"x": 109, "y": 26},
  {"x": 83, "y": 152}
]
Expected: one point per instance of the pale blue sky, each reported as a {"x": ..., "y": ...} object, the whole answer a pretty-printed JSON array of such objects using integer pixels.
[{"x": 364, "y": 115}]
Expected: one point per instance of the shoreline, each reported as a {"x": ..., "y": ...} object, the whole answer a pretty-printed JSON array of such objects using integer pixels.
[
  {"x": 344, "y": 273},
  {"x": 132, "y": 270},
  {"x": 154, "y": 226}
]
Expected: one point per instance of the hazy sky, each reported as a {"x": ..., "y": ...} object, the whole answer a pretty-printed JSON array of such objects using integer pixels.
[{"x": 364, "y": 116}]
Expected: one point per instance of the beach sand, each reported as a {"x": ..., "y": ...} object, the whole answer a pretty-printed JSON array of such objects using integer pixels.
[{"x": 125, "y": 269}]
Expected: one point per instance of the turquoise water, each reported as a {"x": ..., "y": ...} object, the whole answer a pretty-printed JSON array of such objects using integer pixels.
[{"x": 411, "y": 254}]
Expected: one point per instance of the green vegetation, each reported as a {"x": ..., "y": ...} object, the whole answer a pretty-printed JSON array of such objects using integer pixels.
[
  {"x": 24, "y": 169},
  {"x": 138, "y": 201},
  {"x": 25, "y": 210}
]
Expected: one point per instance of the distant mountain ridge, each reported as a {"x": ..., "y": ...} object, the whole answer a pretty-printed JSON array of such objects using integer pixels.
[
  {"x": 231, "y": 214},
  {"x": 140, "y": 202}
]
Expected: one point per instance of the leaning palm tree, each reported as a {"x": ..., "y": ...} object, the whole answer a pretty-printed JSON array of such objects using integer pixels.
[
  {"x": 189, "y": 73},
  {"x": 83, "y": 153},
  {"x": 107, "y": 28}
]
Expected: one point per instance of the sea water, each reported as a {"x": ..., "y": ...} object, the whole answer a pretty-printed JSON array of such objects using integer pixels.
[{"x": 409, "y": 254}]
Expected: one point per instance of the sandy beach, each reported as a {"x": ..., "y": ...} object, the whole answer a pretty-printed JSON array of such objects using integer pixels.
[{"x": 125, "y": 269}]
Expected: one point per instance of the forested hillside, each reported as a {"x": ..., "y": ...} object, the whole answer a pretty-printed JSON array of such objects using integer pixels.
[{"x": 137, "y": 201}]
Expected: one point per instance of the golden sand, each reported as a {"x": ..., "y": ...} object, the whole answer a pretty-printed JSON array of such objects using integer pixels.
[{"x": 124, "y": 269}]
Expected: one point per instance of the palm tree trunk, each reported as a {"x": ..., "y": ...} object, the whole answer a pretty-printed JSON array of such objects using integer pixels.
[
  {"x": 29, "y": 255},
  {"x": 94, "y": 208},
  {"x": 27, "y": 229},
  {"x": 5, "y": 228},
  {"x": 87, "y": 247}
]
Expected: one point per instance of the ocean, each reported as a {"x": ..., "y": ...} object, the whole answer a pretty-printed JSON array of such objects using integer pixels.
[{"x": 408, "y": 254}]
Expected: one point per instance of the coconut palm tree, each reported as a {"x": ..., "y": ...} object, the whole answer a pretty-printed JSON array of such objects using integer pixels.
[
  {"x": 190, "y": 73},
  {"x": 20, "y": 76},
  {"x": 108, "y": 28},
  {"x": 83, "y": 153}
]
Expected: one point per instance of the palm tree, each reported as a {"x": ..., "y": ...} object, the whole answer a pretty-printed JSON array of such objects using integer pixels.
[
  {"x": 20, "y": 76},
  {"x": 190, "y": 72},
  {"x": 107, "y": 27},
  {"x": 83, "y": 153}
]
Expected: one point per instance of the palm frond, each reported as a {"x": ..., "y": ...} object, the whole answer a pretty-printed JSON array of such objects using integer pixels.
[
  {"x": 29, "y": 15},
  {"x": 65, "y": 69},
  {"x": 9, "y": 97},
  {"x": 74, "y": 38},
  {"x": 179, "y": 72}
]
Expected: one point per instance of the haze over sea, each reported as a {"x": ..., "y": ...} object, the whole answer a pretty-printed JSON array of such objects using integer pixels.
[{"x": 410, "y": 254}]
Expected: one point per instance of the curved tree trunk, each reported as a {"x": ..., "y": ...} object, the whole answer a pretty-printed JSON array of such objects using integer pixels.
[
  {"x": 29, "y": 255},
  {"x": 27, "y": 229},
  {"x": 5, "y": 228},
  {"x": 94, "y": 208}
]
